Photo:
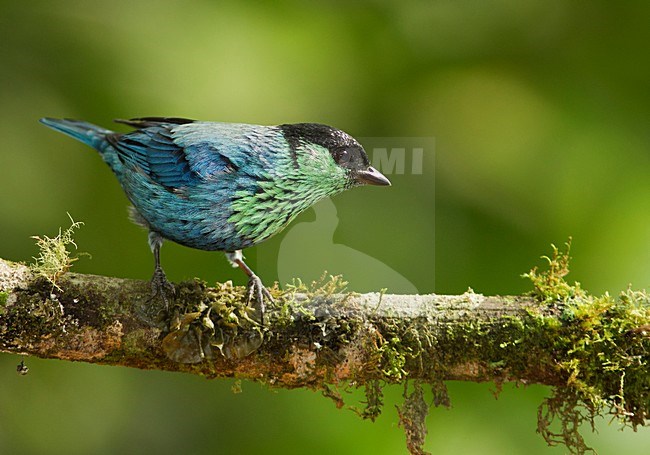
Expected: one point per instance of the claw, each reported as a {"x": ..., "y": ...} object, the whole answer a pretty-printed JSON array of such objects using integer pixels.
[
  {"x": 256, "y": 290},
  {"x": 150, "y": 310},
  {"x": 161, "y": 287},
  {"x": 258, "y": 293}
]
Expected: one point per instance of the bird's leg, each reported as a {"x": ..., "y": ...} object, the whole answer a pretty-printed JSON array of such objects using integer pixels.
[
  {"x": 160, "y": 287},
  {"x": 256, "y": 289}
]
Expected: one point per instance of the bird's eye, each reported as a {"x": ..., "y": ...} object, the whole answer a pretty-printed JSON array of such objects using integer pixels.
[
  {"x": 342, "y": 157},
  {"x": 350, "y": 158}
]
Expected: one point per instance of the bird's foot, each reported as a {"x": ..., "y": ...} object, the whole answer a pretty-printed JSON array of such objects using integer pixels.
[
  {"x": 161, "y": 288},
  {"x": 257, "y": 292},
  {"x": 155, "y": 311}
]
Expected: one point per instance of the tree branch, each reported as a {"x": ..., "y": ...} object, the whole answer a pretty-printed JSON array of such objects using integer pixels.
[
  {"x": 309, "y": 339},
  {"x": 594, "y": 350}
]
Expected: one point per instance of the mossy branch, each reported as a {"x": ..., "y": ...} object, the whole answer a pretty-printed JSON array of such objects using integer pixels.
[
  {"x": 312, "y": 335},
  {"x": 594, "y": 351}
]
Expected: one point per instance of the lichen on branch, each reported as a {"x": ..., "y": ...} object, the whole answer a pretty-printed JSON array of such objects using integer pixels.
[
  {"x": 592, "y": 350},
  {"x": 600, "y": 348},
  {"x": 53, "y": 258}
]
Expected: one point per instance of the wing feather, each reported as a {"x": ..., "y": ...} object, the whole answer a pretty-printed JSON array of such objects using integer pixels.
[{"x": 179, "y": 158}]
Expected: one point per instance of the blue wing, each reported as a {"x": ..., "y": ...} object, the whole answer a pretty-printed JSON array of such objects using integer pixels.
[{"x": 179, "y": 153}]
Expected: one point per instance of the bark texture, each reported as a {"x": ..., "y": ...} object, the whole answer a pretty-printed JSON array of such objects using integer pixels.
[
  {"x": 310, "y": 338},
  {"x": 593, "y": 350}
]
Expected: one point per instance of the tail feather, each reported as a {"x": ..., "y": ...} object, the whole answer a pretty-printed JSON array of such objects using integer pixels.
[{"x": 90, "y": 134}]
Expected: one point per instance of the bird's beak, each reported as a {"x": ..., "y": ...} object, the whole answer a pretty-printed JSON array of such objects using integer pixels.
[{"x": 372, "y": 177}]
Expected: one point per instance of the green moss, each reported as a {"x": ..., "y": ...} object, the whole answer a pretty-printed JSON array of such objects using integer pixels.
[
  {"x": 3, "y": 300},
  {"x": 224, "y": 325},
  {"x": 550, "y": 285},
  {"x": 132, "y": 342},
  {"x": 600, "y": 346},
  {"x": 595, "y": 350},
  {"x": 412, "y": 416},
  {"x": 35, "y": 314},
  {"x": 54, "y": 259},
  {"x": 333, "y": 394},
  {"x": 236, "y": 387},
  {"x": 394, "y": 356},
  {"x": 374, "y": 401},
  {"x": 221, "y": 324}
]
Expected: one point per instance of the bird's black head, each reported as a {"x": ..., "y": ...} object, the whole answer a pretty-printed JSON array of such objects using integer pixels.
[{"x": 345, "y": 150}]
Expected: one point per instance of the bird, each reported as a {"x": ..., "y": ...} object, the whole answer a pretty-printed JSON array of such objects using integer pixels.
[{"x": 219, "y": 186}]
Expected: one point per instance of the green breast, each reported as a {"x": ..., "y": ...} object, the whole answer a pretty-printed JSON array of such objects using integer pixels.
[{"x": 294, "y": 184}]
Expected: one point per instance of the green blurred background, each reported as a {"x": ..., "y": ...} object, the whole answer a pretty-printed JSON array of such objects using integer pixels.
[{"x": 539, "y": 111}]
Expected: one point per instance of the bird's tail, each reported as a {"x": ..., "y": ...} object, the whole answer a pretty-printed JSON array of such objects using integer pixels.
[{"x": 90, "y": 134}]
